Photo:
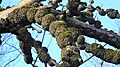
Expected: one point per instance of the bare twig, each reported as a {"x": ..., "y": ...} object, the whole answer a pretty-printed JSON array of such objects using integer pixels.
[
  {"x": 49, "y": 42},
  {"x": 45, "y": 64},
  {"x": 104, "y": 45},
  {"x": 42, "y": 43},
  {"x": 5, "y": 39},
  {"x": 56, "y": 64},
  {"x": 101, "y": 64},
  {"x": 38, "y": 26},
  {"x": 13, "y": 47},
  {"x": 43, "y": 37},
  {"x": 35, "y": 59},
  {"x": 59, "y": 61},
  {"x": 88, "y": 58},
  {"x": 12, "y": 60},
  {"x": 7, "y": 52}
]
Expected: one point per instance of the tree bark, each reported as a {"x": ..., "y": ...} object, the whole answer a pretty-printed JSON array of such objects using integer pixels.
[{"x": 16, "y": 18}]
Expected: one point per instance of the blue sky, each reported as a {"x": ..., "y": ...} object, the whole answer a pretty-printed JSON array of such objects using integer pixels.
[{"x": 54, "y": 50}]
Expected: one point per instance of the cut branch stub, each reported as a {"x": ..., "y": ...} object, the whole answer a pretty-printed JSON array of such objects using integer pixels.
[
  {"x": 73, "y": 4},
  {"x": 80, "y": 39}
]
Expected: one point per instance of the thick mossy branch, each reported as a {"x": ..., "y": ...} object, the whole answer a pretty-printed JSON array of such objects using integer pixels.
[
  {"x": 47, "y": 20},
  {"x": 19, "y": 16},
  {"x": 24, "y": 35},
  {"x": 64, "y": 39},
  {"x": 39, "y": 14},
  {"x": 102, "y": 35},
  {"x": 26, "y": 42},
  {"x": 54, "y": 25},
  {"x": 108, "y": 55},
  {"x": 4, "y": 14},
  {"x": 26, "y": 49},
  {"x": 67, "y": 33},
  {"x": 88, "y": 30},
  {"x": 71, "y": 54},
  {"x": 30, "y": 15},
  {"x": 75, "y": 32},
  {"x": 81, "y": 42}
]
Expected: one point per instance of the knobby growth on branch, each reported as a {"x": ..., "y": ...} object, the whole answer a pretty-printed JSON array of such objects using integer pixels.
[{"x": 68, "y": 26}]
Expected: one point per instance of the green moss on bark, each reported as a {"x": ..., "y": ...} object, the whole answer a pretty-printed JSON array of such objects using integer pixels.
[
  {"x": 19, "y": 16},
  {"x": 64, "y": 39},
  {"x": 116, "y": 58},
  {"x": 93, "y": 47},
  {"x": 47, "y": 20},
  {"x": 24, "y": 48},
  {"x": 42, "y": 54},
  {"x": 75, "y": 32},
  {"x": 30, "y": 15},
  {"x": 71, "y": 54},
  {"x": 80, "y": 39},
  {"x": 44, "y": 57},
  {"x": 28, "y": 59},
  {"x": 54, "y": 25},
  {"x": 39, "y": 14},
  {"x": 108, "y": 55},
  {"x": 60, "y": 30}
]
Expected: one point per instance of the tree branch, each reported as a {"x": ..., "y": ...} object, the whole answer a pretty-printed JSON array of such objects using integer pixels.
[
  {"x": 107, "y": 55},
  {"x": 102, "y": 35},
  {"x": 23, "y": 35},
  {"x": 12, "y": 60},
  {"x": 4, "y": 14}
]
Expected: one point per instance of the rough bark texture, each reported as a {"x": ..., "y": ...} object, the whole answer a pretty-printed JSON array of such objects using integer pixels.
[{"x": 67, "y": 31}]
